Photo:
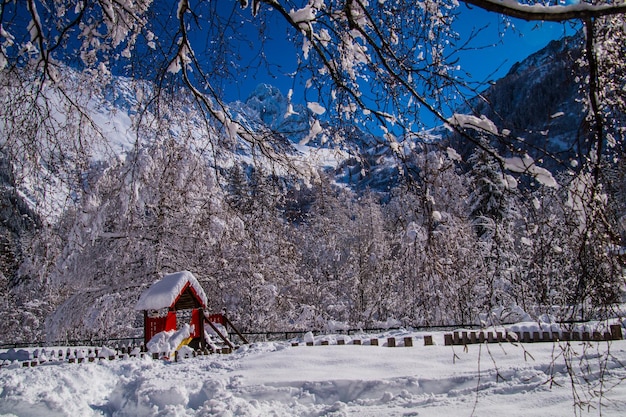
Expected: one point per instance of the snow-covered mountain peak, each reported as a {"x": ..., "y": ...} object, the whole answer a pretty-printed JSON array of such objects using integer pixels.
[{"x": 268, "y": 106}]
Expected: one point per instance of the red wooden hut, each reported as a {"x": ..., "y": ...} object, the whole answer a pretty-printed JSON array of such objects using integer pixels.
[{"x": 175, "y": 300}]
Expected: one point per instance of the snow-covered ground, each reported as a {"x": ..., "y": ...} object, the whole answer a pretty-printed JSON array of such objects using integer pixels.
[{"x": 278, "y": 379}]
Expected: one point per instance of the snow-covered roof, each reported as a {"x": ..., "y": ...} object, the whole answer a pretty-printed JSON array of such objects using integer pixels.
[{"x": 163, "y": 293}]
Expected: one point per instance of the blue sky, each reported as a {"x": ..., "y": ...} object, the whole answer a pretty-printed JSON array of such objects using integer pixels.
[
  {"x": 518, "y": 41},
  {"x": 499, "y": 46}
]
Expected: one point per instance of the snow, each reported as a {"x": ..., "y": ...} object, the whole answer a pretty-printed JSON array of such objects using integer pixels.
[
  {"x": 316, "y": 108},
  {"x": 527, "y": 165},
  {"x": 453, "y": 155},
  {"x": 165, "y": 342},
  {"x": 278, "y": 379},
  {"x": 544, "y": 9},
  {"x": 467, "y": 121},
  {"x": 164, "y": 292}
]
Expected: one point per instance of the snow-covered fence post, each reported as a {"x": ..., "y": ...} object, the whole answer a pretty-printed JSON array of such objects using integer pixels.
[{"x": 616, "y": 332}]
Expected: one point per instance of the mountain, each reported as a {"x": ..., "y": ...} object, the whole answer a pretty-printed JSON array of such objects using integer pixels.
[
  {"x": 540, "y": 104},
  {"x": 266, "y": 107}
]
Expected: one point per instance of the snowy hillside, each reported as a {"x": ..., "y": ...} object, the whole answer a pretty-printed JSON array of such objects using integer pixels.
[{"x": 277, "y": 379}]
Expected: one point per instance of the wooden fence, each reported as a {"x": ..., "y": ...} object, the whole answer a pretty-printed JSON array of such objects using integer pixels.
[
  {"x": 131, "y": 348},
  {"x": 473, "y": 337}
]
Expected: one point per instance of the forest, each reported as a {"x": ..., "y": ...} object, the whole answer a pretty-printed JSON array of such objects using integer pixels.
[{"x": 344, "y": 215}]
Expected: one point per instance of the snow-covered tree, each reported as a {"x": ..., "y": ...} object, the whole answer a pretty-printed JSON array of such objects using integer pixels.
[{"x": 375, "y": 64}]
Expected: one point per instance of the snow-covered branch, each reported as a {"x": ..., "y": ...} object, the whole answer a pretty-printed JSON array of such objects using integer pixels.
[{"x": 554, "y": 13}]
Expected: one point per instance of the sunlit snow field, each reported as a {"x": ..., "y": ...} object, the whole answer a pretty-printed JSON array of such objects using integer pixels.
[{"x": 278, "y": 379}]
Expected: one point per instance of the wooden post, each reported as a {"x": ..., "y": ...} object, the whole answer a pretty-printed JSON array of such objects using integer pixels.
[
  {"x": 324, "y": 342},
  {"x": 374, "y": 342},
  {"x": 447, "y": 339},
  {"x": 408, "y": 342},
  {"x": 341, "y": 342},
  {"x": 228, "y": 322},
  {"x": 428, "y": 340},
  {"x": 616, "y": 332},
  {"x": 391, "y": 342},
  {"x": 356, "y": 342}
]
